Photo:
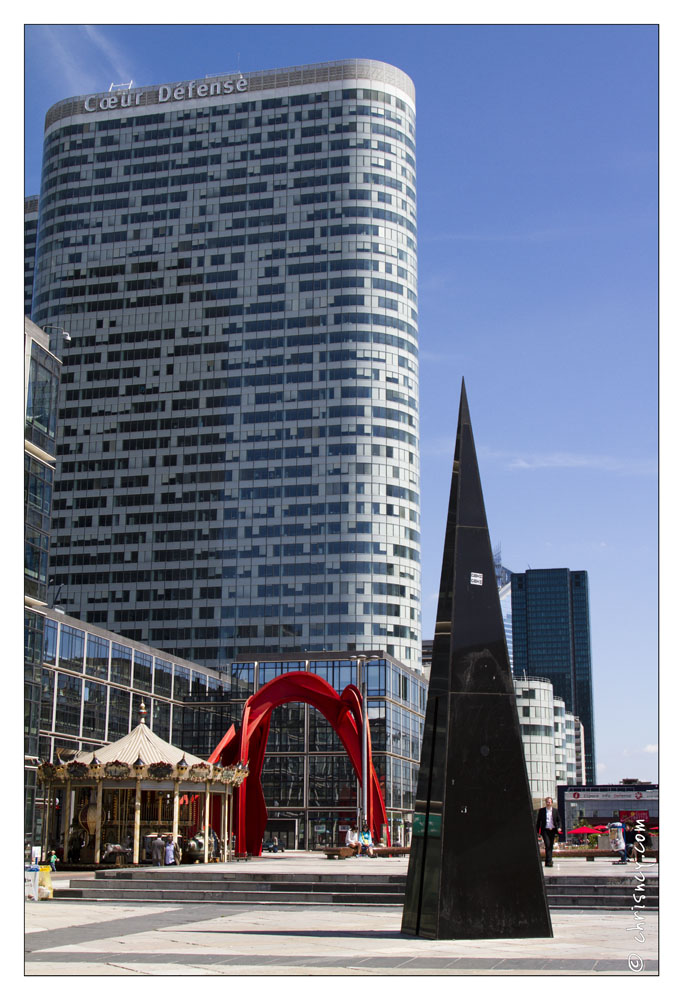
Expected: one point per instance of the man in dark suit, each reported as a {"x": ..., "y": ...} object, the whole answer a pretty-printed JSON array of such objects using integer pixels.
[{"x": 548, "y": 825}]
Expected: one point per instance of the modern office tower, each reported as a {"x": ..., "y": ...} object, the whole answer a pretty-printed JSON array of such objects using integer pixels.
[
  {"x": 534, "y": 696},
  {"x": 551, "y": 638},
  {"x": 235, "y": 260},
  {"x": 93, "y": 681},
  {"x": 30, "y": 233},
  {"x": 41, "y": 384}
]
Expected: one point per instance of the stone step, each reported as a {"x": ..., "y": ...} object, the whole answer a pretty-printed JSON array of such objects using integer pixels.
[
  {"x": 144, "y": 885},
  {"x": 244, "y": 898},
  {"x": 596, "y": 887},
  {"x": 282, "y": 889},
  {"x": 354, "y": 888},
  {"x": 599, "y": 902},
  {"x": 211, "y": 875},
  {"x": 136, "y": 895}
]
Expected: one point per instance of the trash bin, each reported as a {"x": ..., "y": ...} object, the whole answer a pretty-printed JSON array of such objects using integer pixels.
[
  {"x": 31, "y": 876},
  {"x": 45, "y": 882}
]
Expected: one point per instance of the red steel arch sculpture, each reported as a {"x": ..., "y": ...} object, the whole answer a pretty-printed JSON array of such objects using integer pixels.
[{"x": 248, "y": 744}]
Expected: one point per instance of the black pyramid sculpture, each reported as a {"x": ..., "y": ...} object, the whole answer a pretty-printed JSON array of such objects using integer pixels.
[{"x": 474, "y": 869}]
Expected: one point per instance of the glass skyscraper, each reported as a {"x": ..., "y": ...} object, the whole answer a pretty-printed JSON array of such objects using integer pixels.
[
  {"x": 235, "y": 261},
  {"x": 551, "y": 638}
]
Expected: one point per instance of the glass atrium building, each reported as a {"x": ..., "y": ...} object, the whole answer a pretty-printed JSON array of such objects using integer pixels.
[
  {"x": 237, "y": 461},
  {"x": 93, "y": 681},
  {"x": 41, "y": 387}
]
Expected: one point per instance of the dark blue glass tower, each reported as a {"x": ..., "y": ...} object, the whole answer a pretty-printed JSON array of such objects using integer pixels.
[{"x": 551, "y": 638}]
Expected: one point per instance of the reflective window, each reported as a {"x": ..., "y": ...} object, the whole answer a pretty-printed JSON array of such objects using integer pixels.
[
  {"x": 331, "y": 781},
  {"x": 283, "y": 780},
  {"x": 94, "y": 710},
  {"x": 41, "y": 400},
  {"x": 269, "y": 671},
  {"x": 71, "y": 648},
  {"x": 47, "y": 698},
  {"x": 287, "y": 727},
  {"x": 163, "y": 677},
  {"x": 216, "y": 688},
  {"x": 188, "y": 727},
  {"x": 241, "y": 680},
  {"x": 376, "y": 678},
  {"x": 119, "y": 713},
  {"x": 378, "y": 725},
  {"x": 181, "y": 685},
  {"x": 337, "y": 673},
  {"x": 161, "y": 719},
  {"x": 321, "y": 735},
  {"x": 142, "y": 671},
  {"x": 97, "y": 657},
  {"x": 198, "y": 685},
  {"x": 36, "y": 546},
  {"x": 121, "y": 661},
  {"x": 37, "y": 486},
  {"x": 68, "y": 713},
  {"x": 50, "y": 642}
]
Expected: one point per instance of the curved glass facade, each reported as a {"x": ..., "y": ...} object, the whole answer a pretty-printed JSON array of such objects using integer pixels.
[
  {"x": 235, "y": 260},
  {"x": 91, "y": 686}
]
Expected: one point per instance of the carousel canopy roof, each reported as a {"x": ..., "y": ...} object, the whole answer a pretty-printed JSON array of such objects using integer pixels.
[{"x": 142, "y": 744}]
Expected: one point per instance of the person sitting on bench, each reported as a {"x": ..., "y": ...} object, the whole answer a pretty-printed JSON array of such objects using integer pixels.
[
  {"x": 365, "y": 842},
  {"x": 352, "y": 839}
]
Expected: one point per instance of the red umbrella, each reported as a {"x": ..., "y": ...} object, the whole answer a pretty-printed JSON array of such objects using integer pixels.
[{"x": 584, "y": 829}]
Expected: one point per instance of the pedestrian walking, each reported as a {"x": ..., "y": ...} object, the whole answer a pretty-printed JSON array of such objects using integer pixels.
[
  {"x": 169, "y": 853},
  {"x": 548, "y": 826}
]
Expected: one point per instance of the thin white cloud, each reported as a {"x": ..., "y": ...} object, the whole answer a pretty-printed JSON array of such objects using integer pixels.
[
  {"x": 116, "y": 59},
  {"x": 441, "y": 358},
  {"x": 651, "y": 748},
  {"x": 573, "y": 460},
  {"x": 84, "y": 59},
  {"x": 65, "y": 63},
  {"x": 532, "y": 236},
  {"x": 602, "y": 767}
]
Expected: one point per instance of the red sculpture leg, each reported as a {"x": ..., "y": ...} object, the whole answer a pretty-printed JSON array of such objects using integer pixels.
[{"x": 248, "y": 744}]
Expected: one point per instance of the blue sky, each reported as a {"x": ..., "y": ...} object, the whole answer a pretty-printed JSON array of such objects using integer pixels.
[{"x": 537, "y": 221}]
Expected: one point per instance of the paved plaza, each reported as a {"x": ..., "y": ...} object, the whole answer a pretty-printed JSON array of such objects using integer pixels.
[{"x": 67, "y": 938}]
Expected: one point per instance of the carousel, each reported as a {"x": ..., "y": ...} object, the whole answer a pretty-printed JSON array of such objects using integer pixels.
[{"x": 113, "y": 802}]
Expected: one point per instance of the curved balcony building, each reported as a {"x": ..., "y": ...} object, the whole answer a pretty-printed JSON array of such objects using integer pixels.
[{"x": 235, "y": 261}]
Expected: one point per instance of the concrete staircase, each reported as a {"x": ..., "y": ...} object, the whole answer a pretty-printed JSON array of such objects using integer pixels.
[
  {"x": 608, "y": 893},
  {"x": 355, "y": 888}
]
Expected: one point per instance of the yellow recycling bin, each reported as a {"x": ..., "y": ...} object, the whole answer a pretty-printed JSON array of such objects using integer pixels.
[{"x": 44, "y": 882}]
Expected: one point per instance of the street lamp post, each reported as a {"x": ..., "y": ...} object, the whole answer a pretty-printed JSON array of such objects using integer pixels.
[{"x": 66, "y": 339}]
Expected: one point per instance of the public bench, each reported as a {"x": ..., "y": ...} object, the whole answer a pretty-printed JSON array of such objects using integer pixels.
[
  {"x": 349, "y": 852},
  {"x": 590, "y": 854}
]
